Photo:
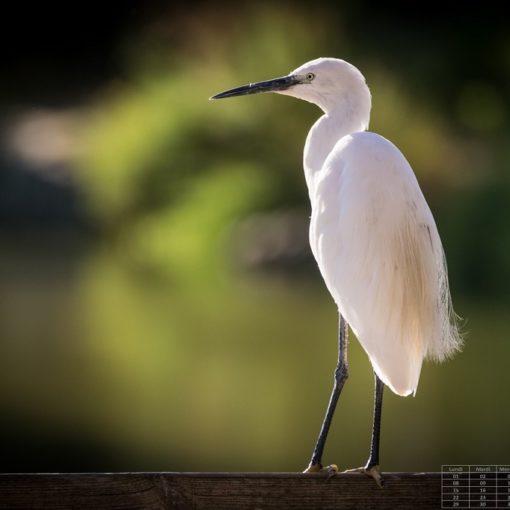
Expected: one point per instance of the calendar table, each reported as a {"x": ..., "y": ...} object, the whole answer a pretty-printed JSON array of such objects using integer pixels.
[{"x": 475, "y": 486}]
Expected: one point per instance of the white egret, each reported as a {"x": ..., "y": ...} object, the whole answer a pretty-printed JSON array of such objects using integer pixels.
[{"x": 374, "y": 239}]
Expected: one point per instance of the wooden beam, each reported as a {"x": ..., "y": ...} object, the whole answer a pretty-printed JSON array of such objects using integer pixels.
[{"x": 225, "y": 491}]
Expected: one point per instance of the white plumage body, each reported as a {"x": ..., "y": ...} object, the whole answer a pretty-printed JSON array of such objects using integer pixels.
[{"x": 379, "y": 252}]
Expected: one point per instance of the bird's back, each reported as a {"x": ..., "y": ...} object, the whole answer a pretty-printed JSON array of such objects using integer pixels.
[{"x": 378, "y": 249}]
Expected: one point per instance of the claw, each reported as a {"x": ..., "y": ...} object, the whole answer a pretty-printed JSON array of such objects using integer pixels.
[
  {"x": 373, "y": 472},
  {"x": 332, "y": 470}
]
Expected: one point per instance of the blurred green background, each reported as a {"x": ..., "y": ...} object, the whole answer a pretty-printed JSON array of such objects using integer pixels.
[{"x": 159, "y": 305}]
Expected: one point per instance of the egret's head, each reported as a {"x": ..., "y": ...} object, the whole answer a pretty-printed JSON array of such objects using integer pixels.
[{"x": 326, "y": 82}]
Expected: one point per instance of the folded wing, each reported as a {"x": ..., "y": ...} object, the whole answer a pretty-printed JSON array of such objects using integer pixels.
[{"x": 381, "y": 256}]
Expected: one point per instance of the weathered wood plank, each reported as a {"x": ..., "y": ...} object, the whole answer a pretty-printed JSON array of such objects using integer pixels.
[{"x": 225, "y": 491}]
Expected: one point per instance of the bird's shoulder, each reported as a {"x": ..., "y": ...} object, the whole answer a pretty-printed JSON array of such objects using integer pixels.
[
  {"x": 366, "y": 144},
  {"x": 367, "y": 153},
  {"x": 369, "y": 167}
]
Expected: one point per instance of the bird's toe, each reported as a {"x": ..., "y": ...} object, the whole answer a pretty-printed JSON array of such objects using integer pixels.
[
  {"x": 373, "y": 472},
  {"x": 313, "y": 468},
  {"x": 318, "y": 468}
]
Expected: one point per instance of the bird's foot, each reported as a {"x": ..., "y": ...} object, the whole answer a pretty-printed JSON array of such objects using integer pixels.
[
  {"x": 371, "y": 471},
  {"x": 318, "y": 468}
]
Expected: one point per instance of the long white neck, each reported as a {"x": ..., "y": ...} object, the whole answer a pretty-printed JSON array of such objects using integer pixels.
[{"x": 350, "y": 115}]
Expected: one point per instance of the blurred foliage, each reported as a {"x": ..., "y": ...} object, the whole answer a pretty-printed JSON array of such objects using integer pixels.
[{"x": 169, "y": 171}]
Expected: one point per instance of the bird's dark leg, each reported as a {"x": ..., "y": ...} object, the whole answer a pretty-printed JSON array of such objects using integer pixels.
[
  {"x": 373, "y": 459},
  {"x": 341, "y": 374},
  {"x": 372, "y": 466}
]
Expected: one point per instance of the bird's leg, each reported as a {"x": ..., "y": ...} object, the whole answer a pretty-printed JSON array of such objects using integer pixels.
[
  {"x": 372, "y": 466},
  {"x": 341, "y": 374},
  {"x": 373, "y": 459}
]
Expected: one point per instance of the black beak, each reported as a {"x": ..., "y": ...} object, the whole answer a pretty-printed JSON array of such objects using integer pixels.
[{"x": 262, "y": 86}]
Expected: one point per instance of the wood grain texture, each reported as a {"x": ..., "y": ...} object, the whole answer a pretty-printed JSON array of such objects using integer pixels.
[{"x": 226, "y": 491}]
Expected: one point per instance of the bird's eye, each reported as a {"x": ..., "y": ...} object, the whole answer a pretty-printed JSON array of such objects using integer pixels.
[{"x": 310, "y": 76}]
